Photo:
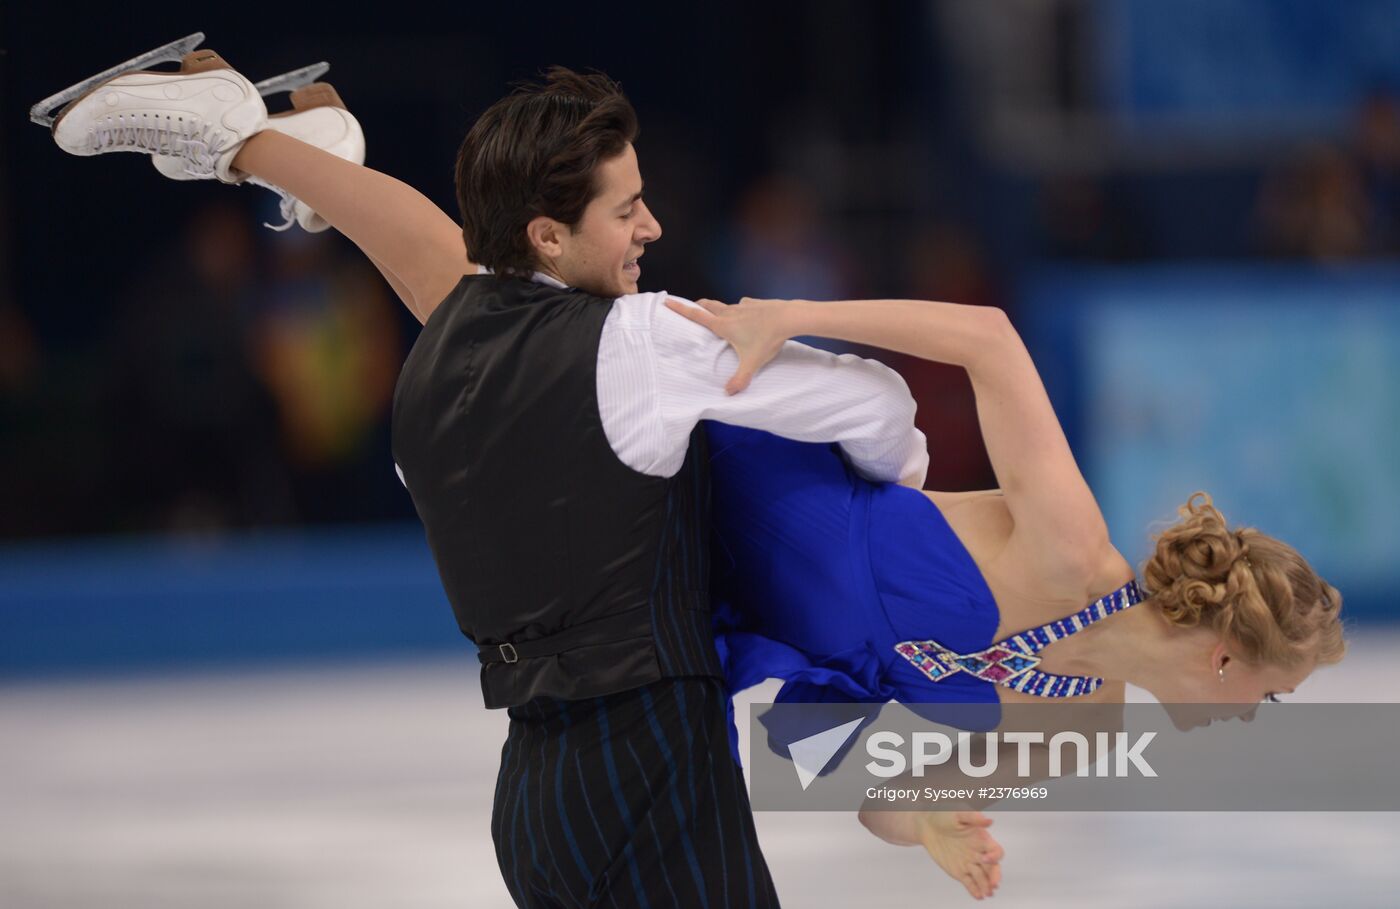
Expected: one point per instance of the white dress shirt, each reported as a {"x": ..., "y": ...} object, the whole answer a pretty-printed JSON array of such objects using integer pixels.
[{"x": 659, "y": 374}]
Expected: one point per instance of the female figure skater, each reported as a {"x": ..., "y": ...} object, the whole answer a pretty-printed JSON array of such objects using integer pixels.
[{"x": 857, "y": 591}]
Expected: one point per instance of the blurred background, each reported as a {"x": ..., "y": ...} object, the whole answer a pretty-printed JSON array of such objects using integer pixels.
[{"x": 1191, "y": 211}]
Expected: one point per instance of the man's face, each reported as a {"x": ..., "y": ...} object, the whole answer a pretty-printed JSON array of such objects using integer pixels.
[{"x": 600, "y": 254}]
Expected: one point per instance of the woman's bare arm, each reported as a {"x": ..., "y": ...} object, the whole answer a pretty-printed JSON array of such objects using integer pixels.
[
  {"x": 413, "y": 243},
  {"x": 1058, "y": 522},
  {"x": 946, "y": 332},
  {"x": 1045, "y": 492}
]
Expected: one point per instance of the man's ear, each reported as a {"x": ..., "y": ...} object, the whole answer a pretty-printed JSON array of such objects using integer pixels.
[{"x": 544, "y": 233}]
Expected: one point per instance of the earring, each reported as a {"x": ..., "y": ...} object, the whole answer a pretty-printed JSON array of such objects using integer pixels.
[{"x": 1222, "y": 675}]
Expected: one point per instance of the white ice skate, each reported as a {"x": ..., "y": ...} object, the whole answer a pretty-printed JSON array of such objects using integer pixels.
[
  {"x": 318, "y": 117},
  {"x": 200, "y": 114}
]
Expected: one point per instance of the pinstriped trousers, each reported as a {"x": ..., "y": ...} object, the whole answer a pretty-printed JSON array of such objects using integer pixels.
[{"x": 627, "y": 800}]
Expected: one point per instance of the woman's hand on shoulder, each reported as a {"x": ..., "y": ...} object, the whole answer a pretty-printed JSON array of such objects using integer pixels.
[{"x": 756, "y": 329}]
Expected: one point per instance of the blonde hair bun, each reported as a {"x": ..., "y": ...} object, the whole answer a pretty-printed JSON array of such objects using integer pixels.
[{"x": 1251, "y": 588}]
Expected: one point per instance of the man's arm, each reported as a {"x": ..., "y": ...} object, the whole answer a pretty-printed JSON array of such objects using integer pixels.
[{"x": 804, "y": 393}]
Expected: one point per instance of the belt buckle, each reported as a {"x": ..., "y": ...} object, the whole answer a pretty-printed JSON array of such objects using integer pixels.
[{"x": 508, "y": 653}]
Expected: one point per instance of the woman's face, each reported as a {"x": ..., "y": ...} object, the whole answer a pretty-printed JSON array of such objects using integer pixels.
[{"x": 1225, "y": 687}]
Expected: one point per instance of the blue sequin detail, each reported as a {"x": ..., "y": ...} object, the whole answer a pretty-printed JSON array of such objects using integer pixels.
[{"x": 1009, "y": 662}]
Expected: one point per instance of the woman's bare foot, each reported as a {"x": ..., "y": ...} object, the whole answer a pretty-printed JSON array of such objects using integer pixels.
[{"x": 959, "y": 842}]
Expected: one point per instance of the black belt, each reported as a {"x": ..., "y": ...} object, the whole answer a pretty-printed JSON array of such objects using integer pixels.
[{"x": 634, "y": 623}]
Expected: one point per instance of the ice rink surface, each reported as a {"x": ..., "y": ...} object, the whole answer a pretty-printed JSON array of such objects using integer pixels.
[{"x": 370, "y": 784}]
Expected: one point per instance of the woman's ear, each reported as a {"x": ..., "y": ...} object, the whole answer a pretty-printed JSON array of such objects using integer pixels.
[
  {"x": 544, "y": 233},
  {"x": 1219, "y": 658}
]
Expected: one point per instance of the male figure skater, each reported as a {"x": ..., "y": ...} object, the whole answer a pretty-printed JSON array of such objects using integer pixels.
[{"x": 545, "y": 424}]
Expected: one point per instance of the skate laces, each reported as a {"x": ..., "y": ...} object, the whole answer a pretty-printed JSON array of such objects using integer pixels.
[
  {"x": 288, "y": 208},
  {"x": 190, "y": 138},
  {"x": 288, "y": 205}
]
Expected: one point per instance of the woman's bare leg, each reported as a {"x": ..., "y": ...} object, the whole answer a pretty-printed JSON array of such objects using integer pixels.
[
  {"x": 413, "y": 243},
  {"x": 399, "y": 287}
]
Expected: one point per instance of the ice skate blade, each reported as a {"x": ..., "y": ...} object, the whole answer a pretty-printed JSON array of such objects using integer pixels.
[
  {"x": 47, "y": 110},
  {"x": 293, "y": 80}
]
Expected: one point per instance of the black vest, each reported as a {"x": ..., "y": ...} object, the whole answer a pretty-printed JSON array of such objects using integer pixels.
[{"x": 575, "y": 574}]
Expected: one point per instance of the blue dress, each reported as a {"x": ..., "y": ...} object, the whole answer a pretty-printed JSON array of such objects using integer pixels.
[
  {"x": 817, "y": 574},
  {"x": 858, "y": 592}
]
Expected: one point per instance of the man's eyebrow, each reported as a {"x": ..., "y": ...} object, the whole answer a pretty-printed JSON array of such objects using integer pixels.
[{"x": 635, "y": 196}]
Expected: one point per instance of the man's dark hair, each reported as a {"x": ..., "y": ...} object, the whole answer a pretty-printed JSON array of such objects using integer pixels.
[{"x": 532, "y": 153}]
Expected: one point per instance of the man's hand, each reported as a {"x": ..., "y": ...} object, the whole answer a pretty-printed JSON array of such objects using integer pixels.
[{"x": 756, "y": 329}]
